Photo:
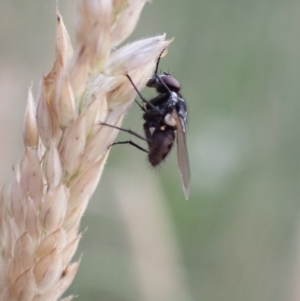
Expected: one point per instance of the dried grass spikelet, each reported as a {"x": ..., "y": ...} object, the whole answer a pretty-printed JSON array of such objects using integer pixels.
[{"x": 66, "y": 148}]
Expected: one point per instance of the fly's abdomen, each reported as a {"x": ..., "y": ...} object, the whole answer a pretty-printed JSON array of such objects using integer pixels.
[{"x": 160, "y": 146}]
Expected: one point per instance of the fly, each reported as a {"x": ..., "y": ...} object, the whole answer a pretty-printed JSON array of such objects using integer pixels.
[{"x": 164, "y": 115}]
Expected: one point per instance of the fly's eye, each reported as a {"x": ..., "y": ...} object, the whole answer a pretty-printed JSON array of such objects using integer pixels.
[
  {"x": 171, "y": 82},
  {"x": 164, "y": 83},
  {"x": 169, "y": 120}
]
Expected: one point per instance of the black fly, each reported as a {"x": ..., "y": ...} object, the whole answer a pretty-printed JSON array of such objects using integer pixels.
[{"x": 164, "y": 115}]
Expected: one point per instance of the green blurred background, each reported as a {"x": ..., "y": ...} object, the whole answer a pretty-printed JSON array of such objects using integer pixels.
[{"x": 238, "y": 237}]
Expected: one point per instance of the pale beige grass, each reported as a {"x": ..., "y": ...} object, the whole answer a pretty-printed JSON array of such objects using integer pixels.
[{"x": 66, "y": 148}]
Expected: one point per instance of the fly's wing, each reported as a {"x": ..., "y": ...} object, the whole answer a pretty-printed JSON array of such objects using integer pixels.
[{"x": 182, "y": 154}]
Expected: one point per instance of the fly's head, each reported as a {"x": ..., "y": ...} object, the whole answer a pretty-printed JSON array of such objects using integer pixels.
[{"x": 164, "y": 83}]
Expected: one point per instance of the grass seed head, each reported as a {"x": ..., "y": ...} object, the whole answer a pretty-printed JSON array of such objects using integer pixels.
[{"x": 66, "y": 147}]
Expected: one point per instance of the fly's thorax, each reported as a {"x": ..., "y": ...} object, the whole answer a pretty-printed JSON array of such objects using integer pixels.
[
  {"x": 181, "y": 108},
  {"x": 175, "y": 97}
]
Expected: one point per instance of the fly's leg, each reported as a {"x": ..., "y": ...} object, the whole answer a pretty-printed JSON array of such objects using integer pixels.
[
  {"x": 142, "y": 97},
  {"x": 129, "y": 131},
  {"x": 141, "y": 107},
  {"x": 128, "y": 141},
  {"x": 131, "y": 143},
  {"x": 157, "y": 62},
  {"x": 147, "y": 133},
  {"x": 163, "y": 83}
]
